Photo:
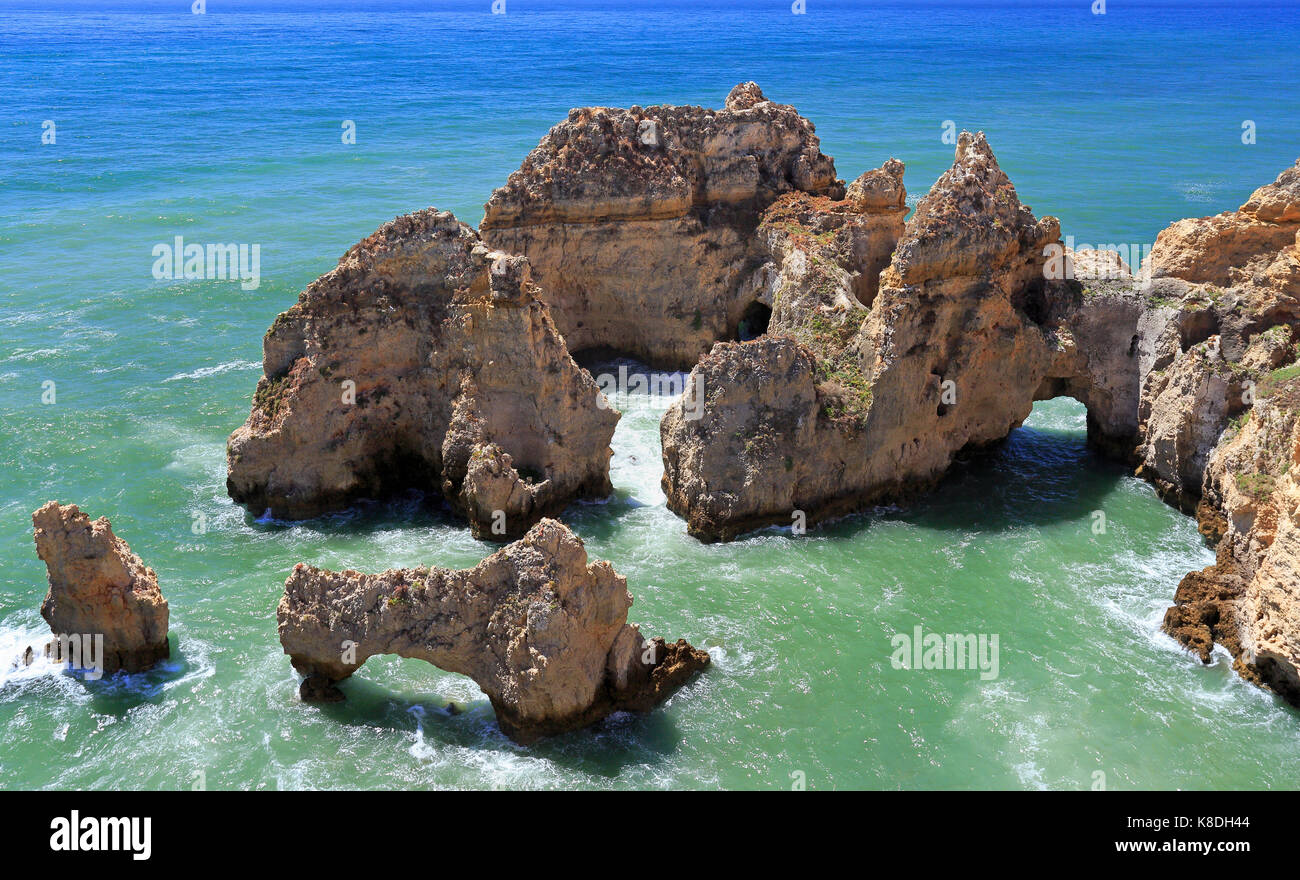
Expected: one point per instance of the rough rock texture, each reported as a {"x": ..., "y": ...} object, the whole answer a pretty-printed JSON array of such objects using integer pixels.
[
  {"x": 1098, "y": 334},
  {"x": 541, "y": 631},
  {"x": 1220, "y": 408},
  {"x": 423, "y": 361},
  {"x": 1217, "y": 284},
  {"x": 868, "y": 382},
  {"x": 99, "y": 587},
  {"x": 639, "y": 223}
]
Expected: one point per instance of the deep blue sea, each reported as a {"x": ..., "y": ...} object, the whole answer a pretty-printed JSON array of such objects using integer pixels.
[{"x": 228, "y": 126}]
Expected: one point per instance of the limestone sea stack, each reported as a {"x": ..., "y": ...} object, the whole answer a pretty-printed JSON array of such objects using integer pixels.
[
  {"x": 99, "y": 587},
  {"x": 543, "y": 632},
  {"x": 639, "y": 223},
  {"x": 426, "y": 361},
  {"x": 891, "y": 347}
]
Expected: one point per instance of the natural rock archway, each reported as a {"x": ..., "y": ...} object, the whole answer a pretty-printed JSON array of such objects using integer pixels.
[
  {"x": 868, "y": 382},
  {"x": 543, "y": 632},
  {"x": 889, "y": 347}
]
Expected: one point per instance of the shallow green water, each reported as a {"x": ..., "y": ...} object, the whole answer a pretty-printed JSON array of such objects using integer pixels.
[
  {"x": 226, "y": 128},
  {"x": 799, "y": 628}
]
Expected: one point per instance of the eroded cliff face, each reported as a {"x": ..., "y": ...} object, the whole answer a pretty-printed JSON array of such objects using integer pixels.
[
  {"x": 425, "y": 360},
  {"x": 98, "y": 587},
  {"x": 1099, "y": 332},
  {"x": 890, "y": 347},
  {"x": 868, "y": 381},
  {"x": 1249, "y": 600},
  {"x": 543, "y": 632},
  {"x": 1217, "y": 284},
  {"x": 740, "y": 459},
  {"x": 639, "y": 223},
  {"x": 1220, "y": 408}
]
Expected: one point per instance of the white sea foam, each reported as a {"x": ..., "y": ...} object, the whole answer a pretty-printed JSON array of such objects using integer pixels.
[
  {"x": 1199, "y": 191},
  {"x": 205, "y": 372},
  {"x": 32, "y": 354},
  {"x": 15, "y": 640}
]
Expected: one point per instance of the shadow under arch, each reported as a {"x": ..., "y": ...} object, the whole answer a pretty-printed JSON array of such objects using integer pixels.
[
  {"x": 602, "y": 749},
  {"x": 1045, "y": 471}
]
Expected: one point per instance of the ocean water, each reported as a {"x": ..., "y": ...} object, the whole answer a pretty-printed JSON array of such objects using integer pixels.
[{"x": 226, "y": 127}]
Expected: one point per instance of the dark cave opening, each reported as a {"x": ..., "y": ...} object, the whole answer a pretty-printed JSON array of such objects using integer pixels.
[{"x": 754, "y": 321}]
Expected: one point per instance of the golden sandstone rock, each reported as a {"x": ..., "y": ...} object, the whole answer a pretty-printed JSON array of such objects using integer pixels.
[
  {"x": 422, "y": 354},
  {"x": 639, "y": 223},
  {"x": 543, "y": 632},
  {"x": 841, "y": 356},
  {"x": 98, "y": 587},
  {"x": 868, "y": 382},
  {"x": 1227, "y": 391}
]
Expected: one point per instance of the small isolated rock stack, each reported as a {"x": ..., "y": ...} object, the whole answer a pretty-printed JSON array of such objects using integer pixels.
[
  {"x": 639, "y": 223},
  {"x": 541, "y": 631},
  {"x": 424, "y": 361},
  {"x": 99, "y": 587}
]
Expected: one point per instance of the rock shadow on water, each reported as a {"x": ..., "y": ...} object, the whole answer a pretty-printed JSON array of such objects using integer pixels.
[
  {"x": 621, "y": 740},
  {"x": 1034, "y": 477},
  {"x": 121, "y": 693},
  {"x": 1038, "y": 475},
  {"x": 410, "y": 509},
  {"x": 603, "y": 520}
]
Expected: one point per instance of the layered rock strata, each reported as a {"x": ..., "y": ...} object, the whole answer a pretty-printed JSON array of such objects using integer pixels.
[
  {"x": 867, "y": 385},
  {"x": 543, "y": 632},
  {"x": 424, "y": 360},
  {"x": 99, "y": 588},
  {"x": 639, "y": 223},
  {"x": 885, "y": 349},
  {"x": 1221, "y": 296},
  {"x": 1220, "y": 408},
  {"x": 869, "y": 382}
]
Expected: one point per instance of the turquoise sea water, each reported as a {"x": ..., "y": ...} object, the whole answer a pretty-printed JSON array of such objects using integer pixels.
[{"x": 226, "y": 127}]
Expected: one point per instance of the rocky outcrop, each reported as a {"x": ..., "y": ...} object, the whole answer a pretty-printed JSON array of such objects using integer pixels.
[
  {"x": 98, "y": 587},
  {"x": 425, "y": 360},
  {"x": 639, "y": 223},
  {"x": 868, "y": 381},
  {"x": 1217, "y": 285},
  {"x": 1220, "y": 408},
  {"x": 543, "y": 632},
  {"x": 851, "y": 356},
  {"x": 1249, "y": 600}
]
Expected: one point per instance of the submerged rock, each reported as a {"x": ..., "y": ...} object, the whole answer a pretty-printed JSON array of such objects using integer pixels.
[
  {"x": 891, "y": 348},
  {"x": 98, "y": 587},
  {"x": 425, "y": 361},
  {"x": 639, "y": 223},
  {"x": 543, "y": 632}
]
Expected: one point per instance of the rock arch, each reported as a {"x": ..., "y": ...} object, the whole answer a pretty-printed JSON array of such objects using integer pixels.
[
  {"x": 843, "y": 404},
  {"x": 653, "y": 230},
  {"x": 543, "y": 632}
]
